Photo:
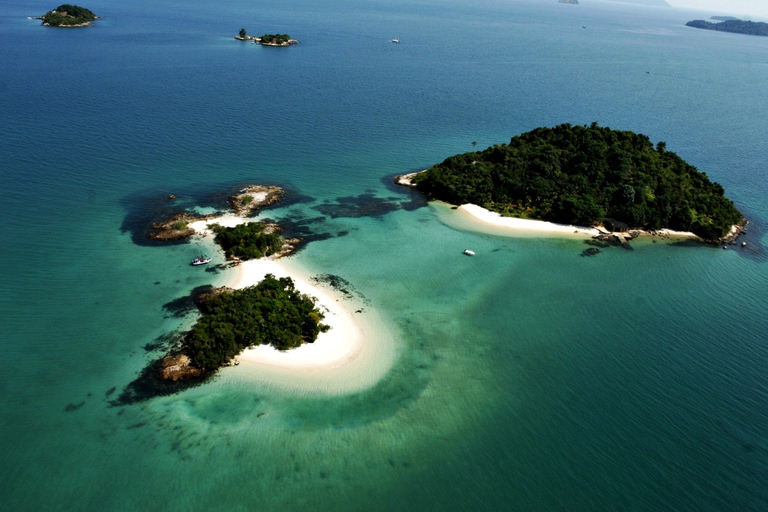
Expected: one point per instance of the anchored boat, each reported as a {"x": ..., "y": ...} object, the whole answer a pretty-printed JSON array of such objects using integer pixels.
[{"x": 201, "y": 260}]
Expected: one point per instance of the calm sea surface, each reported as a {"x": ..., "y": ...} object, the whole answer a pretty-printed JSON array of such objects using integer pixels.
[{"x": 527, "y": 378}]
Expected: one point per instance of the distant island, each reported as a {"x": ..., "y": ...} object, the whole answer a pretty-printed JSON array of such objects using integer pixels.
[
  {"x": 736, "y": 26},
  {"x": 723, "y": 18},
  {"x": 67, "y": 15},
  {"x": 585, "y": 176},
  {"x": 574, "y": 2},
  {"x": 267, "y": 39},
  {"x": 655, "y": 3}
]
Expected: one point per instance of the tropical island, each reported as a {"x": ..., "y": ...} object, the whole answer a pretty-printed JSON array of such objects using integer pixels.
[
  {"x": 267, "y": 39},
  {"x": 272, "y": 312},
  {"x": 585, "y": 176},
  {"x": 736, "y": 26},
  {"x": 67, "y": 15}
]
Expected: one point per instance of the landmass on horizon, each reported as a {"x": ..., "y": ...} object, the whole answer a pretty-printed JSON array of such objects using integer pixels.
[
  {"x": 586, "y": 176},
  {"x": 736, "y": 26},
  {"x": 67, "y": 15}
]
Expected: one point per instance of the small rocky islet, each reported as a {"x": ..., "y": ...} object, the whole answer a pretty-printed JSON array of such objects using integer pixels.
[
  {"x": 267, "y": 39},
  {"x": 67, "y": 15}
]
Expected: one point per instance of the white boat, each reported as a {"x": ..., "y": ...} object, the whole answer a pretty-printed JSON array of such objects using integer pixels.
[
  {"x": 395, "y": 40},
  {"x": 469, "y": 252},
  {"x": 201, "y": 260}
]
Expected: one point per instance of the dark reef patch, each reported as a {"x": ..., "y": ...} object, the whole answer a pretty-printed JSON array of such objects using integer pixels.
[
  {"x": 73, "y": 407},
  {"x": 182, "y": 306},
  {"x": 303, "y": 228},
  {"x": 163, "y": 342},
  {"x": 368, "y": 205},
  {"x": 339, "y": 284},
  {"x": 150, "y": 385}
]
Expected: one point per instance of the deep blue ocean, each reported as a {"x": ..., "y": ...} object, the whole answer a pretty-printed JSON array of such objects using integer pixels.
[{"x": 526, "y": 378}]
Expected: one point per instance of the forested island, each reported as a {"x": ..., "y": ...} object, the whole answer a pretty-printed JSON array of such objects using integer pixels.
[
  {"x": 67, "y": 15},
  {"x": 272, "y": 312},
  {"x": 733, "y": 25},
  {"x": 581, "y": 175},
  {"x": 267, "y": 39}
]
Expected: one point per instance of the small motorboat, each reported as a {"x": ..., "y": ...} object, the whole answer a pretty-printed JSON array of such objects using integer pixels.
[
  {"x": 201, "y": 260},
  {"x": 395, "y": 40},
  {"x": 469, "y": 252}
]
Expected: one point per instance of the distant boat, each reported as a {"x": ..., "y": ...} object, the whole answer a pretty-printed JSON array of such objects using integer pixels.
[
  {"x": 201, "y": 260},
  {"x": 469, "y": 252},
  {"x": 395, "y": 40}
]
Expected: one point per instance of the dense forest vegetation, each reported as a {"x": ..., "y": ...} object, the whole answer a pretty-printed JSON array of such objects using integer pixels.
[
  {"x": 733, "y": 25},
  {"x": 66, "y": 14},
  {"x": 272, "y": 312},
  {"x": 247, "y": 241},
  {"x": 275, "y": 38},
  {"x": 581, "y": 175}
]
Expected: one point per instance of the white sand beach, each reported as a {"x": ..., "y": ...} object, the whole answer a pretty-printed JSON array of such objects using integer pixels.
[
  {"x": 475, "y": 218},
  {"x": 513, "y": 225},
  {"x": 353, "y": 355}
]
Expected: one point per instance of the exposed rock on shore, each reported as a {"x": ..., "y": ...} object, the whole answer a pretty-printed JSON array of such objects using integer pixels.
[
  {"x": 406, "y": 179},
  {"x": 178, "y": 366},
  {"x": 254, "y": 197},
  {"x": 736, "y": 231},
  {"x": 175, "y": 228}
]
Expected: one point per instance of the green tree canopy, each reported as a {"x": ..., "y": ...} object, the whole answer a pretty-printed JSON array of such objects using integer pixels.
[
  {"x": 67, "y": 14},
  {"x": 247, "y": 241},
  {"x": 581, "y": 175},
  {"x": 272, "y": 312}
]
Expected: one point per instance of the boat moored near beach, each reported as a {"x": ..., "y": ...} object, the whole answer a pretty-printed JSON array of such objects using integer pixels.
[
  {"x": 201, "y": 260},
  {"x": 469, "y": 252}
]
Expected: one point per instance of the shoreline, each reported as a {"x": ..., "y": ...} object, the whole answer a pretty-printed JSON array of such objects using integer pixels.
[
  {"x": 353, "y": 355},
  {"x": 476, "y": 218}
]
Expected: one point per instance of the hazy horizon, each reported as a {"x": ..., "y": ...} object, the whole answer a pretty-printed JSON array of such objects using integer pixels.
[{"x": 739, "y": 8}]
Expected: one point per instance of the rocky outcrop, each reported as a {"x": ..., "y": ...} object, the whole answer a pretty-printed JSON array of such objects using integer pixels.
[
  {"x": 178, "y": 366},
  {"x": 254, "y": 197},
  {"x": 736, "y": 231},
  {"x": 407, "y": 179},
  {"x": 175, "y": 228}
]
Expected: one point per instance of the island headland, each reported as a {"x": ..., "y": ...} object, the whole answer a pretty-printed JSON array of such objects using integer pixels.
[
  {"x": 734, "y": 25},
  {"x": 67, "y": 15},
  {"x": 267, "y": 39},
  {"x": 586, "y": 179}
]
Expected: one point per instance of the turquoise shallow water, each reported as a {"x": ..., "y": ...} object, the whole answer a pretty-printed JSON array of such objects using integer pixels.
[{"x": 527, "y": 378}]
